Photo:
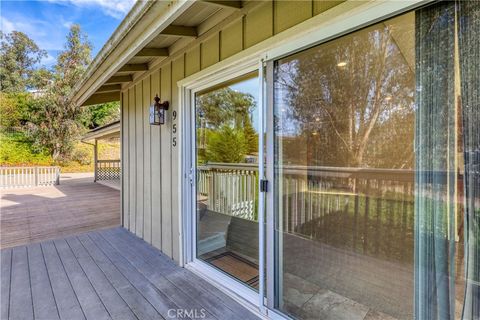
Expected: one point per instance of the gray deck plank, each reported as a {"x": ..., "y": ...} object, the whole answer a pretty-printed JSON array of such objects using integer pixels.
[
  {"x": 134, "y": 299},
  {"x": 113, "y": 302},
  {"x": 6, "y": 264},
  {"x": 21, "y": 306},
  {"x": 107, "y": 274},
  {"x": 200, "y": 286},
  {"x": 159, "y": 300},
  {"x": 90, "y": 303},
  {"x": 44, "y": 305},
  {"x": 67, "y": 302},
  {"x": 157, "y": 278},
  {"x": 31, "y": 215}
]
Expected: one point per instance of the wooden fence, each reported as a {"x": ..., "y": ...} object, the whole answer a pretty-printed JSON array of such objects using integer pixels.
[
  {"x": 16, "y": 177},
  {"x": 108, "y": 170}
]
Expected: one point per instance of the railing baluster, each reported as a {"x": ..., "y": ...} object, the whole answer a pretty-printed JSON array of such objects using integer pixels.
[{"x": 16, "y": 177}]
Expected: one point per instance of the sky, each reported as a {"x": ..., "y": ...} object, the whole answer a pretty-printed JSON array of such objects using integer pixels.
[{"x": 47, "y": 21}]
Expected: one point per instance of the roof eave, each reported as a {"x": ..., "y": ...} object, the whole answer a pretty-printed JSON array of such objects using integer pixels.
[
  {"x": 145, "y": 20},
  {"x": 107, "y": 131}
]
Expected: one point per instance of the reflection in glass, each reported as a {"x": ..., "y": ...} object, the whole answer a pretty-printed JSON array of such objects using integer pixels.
[
  {"x": 369, "y": 174},
  {"x": 227, "y": 178}
]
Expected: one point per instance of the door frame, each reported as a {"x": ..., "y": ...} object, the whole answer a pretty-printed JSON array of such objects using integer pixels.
[{"x": 187, "y": 97}]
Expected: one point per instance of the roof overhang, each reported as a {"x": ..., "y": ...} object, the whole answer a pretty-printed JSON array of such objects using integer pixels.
[
  {"x": 111, "y": 130},
  {"x": 150, "y": 32}
]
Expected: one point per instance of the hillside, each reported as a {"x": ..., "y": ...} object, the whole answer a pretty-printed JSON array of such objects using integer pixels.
[{"x": 18, "y": 150}]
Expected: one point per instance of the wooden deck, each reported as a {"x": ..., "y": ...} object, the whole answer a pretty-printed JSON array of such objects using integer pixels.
[
  {"x": 29, "y": 215},
  {"x": 107, "y": 274}
]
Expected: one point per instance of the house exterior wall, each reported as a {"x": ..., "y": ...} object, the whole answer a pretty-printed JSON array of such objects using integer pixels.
[{"x": 150, "y": 154}]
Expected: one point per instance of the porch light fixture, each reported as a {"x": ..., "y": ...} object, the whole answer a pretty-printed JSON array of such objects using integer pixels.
[{"x": 157, "y": 111}]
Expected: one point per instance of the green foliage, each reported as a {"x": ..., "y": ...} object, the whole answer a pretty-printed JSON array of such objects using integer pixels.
[
  {"x": 14, "y": 108},
  {"x": 16, "y": 150},
  {"x": 18, "y": 56},
  {"x": 225, "y": 129},
  {"x": 226, "y": 107},
  {"x": 226, "y": 145},
  {"x": 101, "y": 114},
  {"x": 251, "y": 138},
  {"x": 82, "y": 156},
  {"x": 56, "y": 122},
  {"x": 51, "y": 123}
]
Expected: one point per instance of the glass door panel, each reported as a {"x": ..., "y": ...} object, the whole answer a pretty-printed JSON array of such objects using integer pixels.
[
  {"x": 370, "y": 201},
  {"x": 227, "y": 178}
]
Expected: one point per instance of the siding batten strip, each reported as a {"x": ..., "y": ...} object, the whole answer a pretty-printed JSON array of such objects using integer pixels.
[
  {"x": 147, "y": 174},
  {"x": 133, "y": 159},
  {"x": 166, "y": 83},
  {"x": 140, "y": 156},
  {"x": 156, "y": 195}
]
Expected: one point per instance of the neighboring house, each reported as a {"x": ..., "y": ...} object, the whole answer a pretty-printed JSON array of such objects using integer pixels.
[{"x": 366, "y": 187}]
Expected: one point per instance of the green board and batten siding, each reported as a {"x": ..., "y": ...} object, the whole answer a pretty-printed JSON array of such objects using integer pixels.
[{"x": 151, "y": 163}]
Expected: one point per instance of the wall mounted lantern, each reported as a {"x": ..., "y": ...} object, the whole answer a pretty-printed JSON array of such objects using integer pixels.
[{"x": 157, "y": 111}]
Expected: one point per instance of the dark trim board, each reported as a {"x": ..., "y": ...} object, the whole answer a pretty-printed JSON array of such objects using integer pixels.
[{"x": 107, "y": 274}]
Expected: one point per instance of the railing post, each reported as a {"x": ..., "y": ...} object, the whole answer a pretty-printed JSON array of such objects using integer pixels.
[
  {"x": 95, "y": 160},
  {"x": 35, "y": 172},
  {"x": 57, "y": 172}
]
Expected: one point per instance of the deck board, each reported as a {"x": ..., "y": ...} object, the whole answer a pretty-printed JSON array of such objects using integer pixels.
[
  {"x": 67, "y": 302},
  {"x": 192, "y": 285},
  {"x": 157, "y": 299},
  {"x": 134, "y": 299},
  {"x": 155, "y": 274},
  {"x": 21, "y": 305},
  {"x": 105, "y": 274},
  {"x": 90, "y": 303},
  {"x": 29, "y": 215},
  {"x": 5, "y": 272},
  {"x": 44, "y": 305},
  {"x": 113, "y": 302}
]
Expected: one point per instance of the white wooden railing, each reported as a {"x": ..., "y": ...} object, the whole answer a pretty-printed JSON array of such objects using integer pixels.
[
  {"x": 16, "y": 177},
  {"x": 230, "y": 188}
]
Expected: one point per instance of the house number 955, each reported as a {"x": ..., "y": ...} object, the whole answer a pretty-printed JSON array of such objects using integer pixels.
[{"x": 174, "y": 128}]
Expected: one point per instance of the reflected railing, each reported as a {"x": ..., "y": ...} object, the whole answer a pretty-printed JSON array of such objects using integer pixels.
[
  {"x": 367, "y": 210},
  {"x": 230, "y": 188}
]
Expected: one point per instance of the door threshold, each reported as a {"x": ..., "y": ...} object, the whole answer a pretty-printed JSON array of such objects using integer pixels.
[{"x": 231, "y": 287}]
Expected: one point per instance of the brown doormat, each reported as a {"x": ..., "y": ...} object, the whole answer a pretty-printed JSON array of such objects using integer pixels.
[{"x": 236, "y": 266}]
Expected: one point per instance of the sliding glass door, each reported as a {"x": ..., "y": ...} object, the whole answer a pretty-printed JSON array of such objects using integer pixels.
[
  {"x": 227, "y": 178},
  {"x": 373, "y": 165}
]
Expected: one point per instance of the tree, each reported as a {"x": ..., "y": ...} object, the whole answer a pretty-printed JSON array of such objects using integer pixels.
[
  {"x": 227, "y": 145},
  {"x": 56, "y": 121},
  {"x": 224, "y": 126},
  {"x": 101, "y": 114},
  {"x": 350, "y": 102},
  {"x": 225, "y": 106},
  {"x": 18, "y": 57}
]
